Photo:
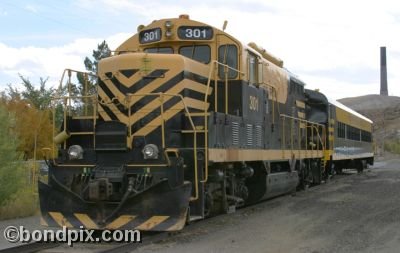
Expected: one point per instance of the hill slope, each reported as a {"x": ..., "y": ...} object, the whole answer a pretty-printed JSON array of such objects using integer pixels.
[{"x": 384, "y": 111}]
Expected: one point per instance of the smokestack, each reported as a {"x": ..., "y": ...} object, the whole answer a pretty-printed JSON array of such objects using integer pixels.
[{"x": 384, "y": 88}]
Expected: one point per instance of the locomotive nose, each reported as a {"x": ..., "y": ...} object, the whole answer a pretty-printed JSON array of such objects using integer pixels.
[{"x": 147, "y": 211}]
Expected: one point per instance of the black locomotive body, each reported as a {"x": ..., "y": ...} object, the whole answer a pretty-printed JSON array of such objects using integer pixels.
[{"x": 186, "y": 122}]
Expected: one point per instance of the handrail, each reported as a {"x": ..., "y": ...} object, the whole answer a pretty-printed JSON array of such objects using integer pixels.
[
  {"x": 162, "y": 95},
  {"x": 69, "y": 71},
  {"x": 66, "y": 111},
  {"x": 213, "y": 69},
  {"x": 309, "y": 124}
]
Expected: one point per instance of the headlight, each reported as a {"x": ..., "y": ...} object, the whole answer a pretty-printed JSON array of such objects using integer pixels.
[
  {"x": 75, "y": 152},
  {"x": 150, "y": 151},
  {"x": 168, "y": 24}
]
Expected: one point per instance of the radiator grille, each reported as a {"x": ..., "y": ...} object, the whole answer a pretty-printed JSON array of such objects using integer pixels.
[
  {"x": 258, "y": 136},
  {"x": 249, "y": 133},
  {"x": 235, "y": 133}
]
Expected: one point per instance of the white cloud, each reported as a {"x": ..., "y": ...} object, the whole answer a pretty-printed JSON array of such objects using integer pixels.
[
  {"x": 35, "y": 62},
  {"x": 31, "y": 8}
]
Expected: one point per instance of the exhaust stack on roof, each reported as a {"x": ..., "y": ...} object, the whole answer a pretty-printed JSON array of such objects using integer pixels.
[{"x": 384, "y": 88}]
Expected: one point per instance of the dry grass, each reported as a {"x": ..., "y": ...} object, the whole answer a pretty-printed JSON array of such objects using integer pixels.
[
  {"x": 393, "y": 146},
  {"x": 22, "y": 204}
]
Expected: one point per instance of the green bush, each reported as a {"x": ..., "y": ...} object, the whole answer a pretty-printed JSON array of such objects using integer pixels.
[
  {"x": 393, "y": 146},
  {"x": 11, "y": 169},
  {"x": 22, "y": 204}
]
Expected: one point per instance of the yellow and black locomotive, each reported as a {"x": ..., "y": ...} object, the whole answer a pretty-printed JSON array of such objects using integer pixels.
[{"x": 188, "y": 122}]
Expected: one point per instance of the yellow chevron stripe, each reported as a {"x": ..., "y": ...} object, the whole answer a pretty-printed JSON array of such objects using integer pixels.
[
  {"x": 179, "y": 224},
  {"x": 120, "y": 221},
  {"x": 145, "y": 110},
  {"x": 128, "y": 82},
  {"x": 194, "y": 103},
  {"x": 43, "y": 222},
  {"x": 146, "y": 89},
  {"x": 103, "y": 114},
  {"x": 86, "y": 221},
  {"x": 60, "y": 219},
  {"x": 121, "y": 117},
  {"x": 300, "y": 104},
  {"x": 111, "y": 86},
  {"x": 152, "y": 125},
  {"x": 152, "y": 86},
  {"x": 152, "y": 222},
  {"x": 201, "y": 88},
  {"x": 301, "y": 115}
]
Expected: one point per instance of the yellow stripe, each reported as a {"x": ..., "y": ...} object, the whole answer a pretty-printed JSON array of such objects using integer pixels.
[
  {"x": 301, "y": 115},
  {"x": 152, "y": 222},
  {"x": 144, "y": 111},
  {"x": 121, "y": 117},
  {"x": 111, "y": 86},
  {"x": 331, "y": 129},
  {"x": 127, "y": 82},
  {"x": 43, "y": 222},
  {"x": 103, "y": 114},
  {"x": 152, "y": 86},
  {"x": 86, "y": 221},
  {"x": 232, "y": 155},
  {"x": 180, "y": 223},
  {"x": 120, "y": 221},
  {"x": 300, "y": 104},
  {"x": 302, "y": 125},
  {"x": 201, "y": 88},
  {"x": 60, "y": 219},
  {"x": 151, "y": 126}
]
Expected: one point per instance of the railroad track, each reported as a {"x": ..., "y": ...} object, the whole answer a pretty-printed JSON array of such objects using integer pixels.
[
  {"x": 30, "y": 247},
  {"x": 34, "y": 247},
  {"x": 147, "y": 238}
]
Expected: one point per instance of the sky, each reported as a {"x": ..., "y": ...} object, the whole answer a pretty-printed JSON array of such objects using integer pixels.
[{"x": 332, "y": 45}]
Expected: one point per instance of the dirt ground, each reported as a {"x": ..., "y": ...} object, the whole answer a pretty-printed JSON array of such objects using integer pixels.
[{"x": 351, "y": 213}]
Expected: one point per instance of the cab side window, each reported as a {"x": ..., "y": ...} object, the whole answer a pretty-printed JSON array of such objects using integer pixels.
[
  {"x": 252, "y": 69},
  {"x": 228, "y": 55}
]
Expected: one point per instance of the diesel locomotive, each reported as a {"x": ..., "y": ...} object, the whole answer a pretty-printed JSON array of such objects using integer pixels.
[{"x": 187, "y": 122}]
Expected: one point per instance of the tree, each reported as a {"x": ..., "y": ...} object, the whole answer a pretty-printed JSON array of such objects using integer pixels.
[
  {"x": 33, "y": 117},
  {"x": 11, "y": 173},
  {"x": 40, "y": 98},
  {"x": 91, "y": 65}
]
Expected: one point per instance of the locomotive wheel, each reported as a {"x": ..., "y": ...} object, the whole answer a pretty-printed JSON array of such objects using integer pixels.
[{"x": 361, "y": 165}]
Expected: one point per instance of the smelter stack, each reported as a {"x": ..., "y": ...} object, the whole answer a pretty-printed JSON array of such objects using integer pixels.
[{"x": 384, "y": 88}]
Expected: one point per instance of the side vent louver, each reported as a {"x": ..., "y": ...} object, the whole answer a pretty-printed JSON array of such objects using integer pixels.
[
  {"x": 258, "y": 136},
  {"x": 235, "y": 133},
  {"x": 249, "y": 133}
]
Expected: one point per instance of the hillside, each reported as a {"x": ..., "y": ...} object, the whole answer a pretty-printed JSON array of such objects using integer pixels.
[{"x": 384, "y": 111}]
